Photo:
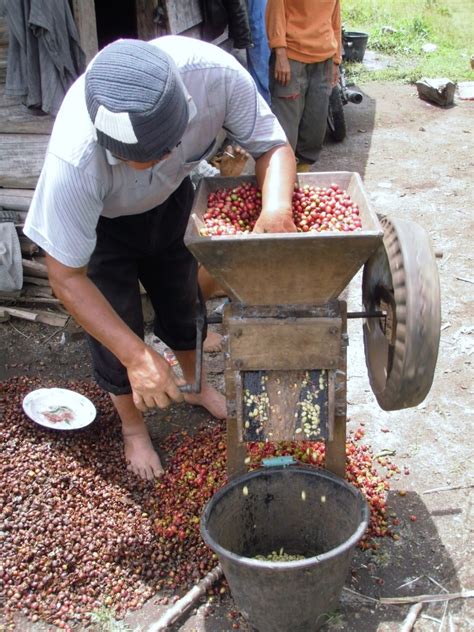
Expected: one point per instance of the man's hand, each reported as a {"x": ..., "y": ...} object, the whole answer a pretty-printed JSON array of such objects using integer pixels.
[
  {"x": 335, "y": 74},
  {"x": 281, "y": 222},
  {"x": 233, "y": 161},
  {"x": 153, "y": 382},
  {"x": 282, "y": 67}
]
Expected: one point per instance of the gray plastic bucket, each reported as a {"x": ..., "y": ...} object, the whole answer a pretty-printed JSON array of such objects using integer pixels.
[{"x": 303, "y": 511}]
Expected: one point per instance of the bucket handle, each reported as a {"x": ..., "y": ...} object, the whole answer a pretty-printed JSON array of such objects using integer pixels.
[{"x": 280, "y": 461}]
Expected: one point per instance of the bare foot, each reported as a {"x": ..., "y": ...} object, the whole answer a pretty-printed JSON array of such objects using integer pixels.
[
  {"x": 141, "y": 456},
  {"x": 210, "y": 399},
  {"x": 213, "y": 342},
  {"x": 233, "y": 161}
]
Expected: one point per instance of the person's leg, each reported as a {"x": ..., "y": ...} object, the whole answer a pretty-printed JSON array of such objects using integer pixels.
[
  {"x": 209, "y": 286},
  {"x": 170, "y": 279},
  {"x": 312, "y": 129},
  {"x": 116, "y": 275},
  {"x": 288, "y": 101},
  {"x": 209, "y": 397},
  {"x": 139, "y": 452}
]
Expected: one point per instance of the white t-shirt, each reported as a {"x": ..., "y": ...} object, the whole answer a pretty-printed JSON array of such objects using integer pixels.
[{"x": 80, "y": 180}]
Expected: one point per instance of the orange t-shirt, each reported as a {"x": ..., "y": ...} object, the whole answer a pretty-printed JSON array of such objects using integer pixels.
[{"x": 310, "y": 30}]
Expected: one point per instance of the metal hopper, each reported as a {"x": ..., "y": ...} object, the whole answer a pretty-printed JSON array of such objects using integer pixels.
[{"x": 285, "y": 268}]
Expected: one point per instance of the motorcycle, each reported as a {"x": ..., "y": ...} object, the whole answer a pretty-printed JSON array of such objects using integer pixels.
[{"x": 341, "y": 96}]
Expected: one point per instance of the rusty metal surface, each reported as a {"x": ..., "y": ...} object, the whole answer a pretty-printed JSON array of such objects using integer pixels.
[{"x": 285, "y": 268}]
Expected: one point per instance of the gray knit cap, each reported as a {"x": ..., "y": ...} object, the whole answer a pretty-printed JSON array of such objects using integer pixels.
[{"x": 136, "y": 100}]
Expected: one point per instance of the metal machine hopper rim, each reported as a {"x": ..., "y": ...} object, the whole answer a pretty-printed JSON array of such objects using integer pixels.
[{"x": 401, "y": 278}]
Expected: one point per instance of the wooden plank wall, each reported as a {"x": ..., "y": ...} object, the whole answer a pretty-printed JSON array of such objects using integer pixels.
[
  {"x": 183, "y": 15},
  {"x": 23, "y": 136}
]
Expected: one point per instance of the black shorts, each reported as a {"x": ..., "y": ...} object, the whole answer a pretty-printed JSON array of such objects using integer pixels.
[{"x": 149, "y": 248}]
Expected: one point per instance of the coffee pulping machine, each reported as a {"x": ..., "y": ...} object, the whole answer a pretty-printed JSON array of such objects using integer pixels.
[{"x": 285, "y": 327}]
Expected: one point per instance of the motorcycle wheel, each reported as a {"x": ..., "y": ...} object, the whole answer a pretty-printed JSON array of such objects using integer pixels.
[{"x": 336, "y": 122}]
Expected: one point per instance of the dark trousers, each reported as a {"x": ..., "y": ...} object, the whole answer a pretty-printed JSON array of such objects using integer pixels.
[{"x": 146, "y": 248}]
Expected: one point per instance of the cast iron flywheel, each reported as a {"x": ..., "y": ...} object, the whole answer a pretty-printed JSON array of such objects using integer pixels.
[{"x": 401, "y": 278}]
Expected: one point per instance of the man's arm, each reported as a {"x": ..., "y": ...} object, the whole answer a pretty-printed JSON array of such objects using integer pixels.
[
  {"x": 275, "y": 21},
  {"x": 276, "y": 176},
  {"x": 336, "y": 25},
  {"x": 152, "y": 380}
]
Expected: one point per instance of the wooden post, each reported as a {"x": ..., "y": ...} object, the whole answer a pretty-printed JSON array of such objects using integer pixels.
[
  {"x": 336, "y": 448},
  {"x": 84, "y": 16},
  {"x": 236, "y": 450},
  {"x": 147, "y": 29}
]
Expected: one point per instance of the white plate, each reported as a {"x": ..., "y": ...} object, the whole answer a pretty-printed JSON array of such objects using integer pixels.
[{"x": 59, "y": 408}]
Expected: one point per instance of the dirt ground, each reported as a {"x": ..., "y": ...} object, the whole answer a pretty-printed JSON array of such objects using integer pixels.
[{"x": 417, "y": 162}]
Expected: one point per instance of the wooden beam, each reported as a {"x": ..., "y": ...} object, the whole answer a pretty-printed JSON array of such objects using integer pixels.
[
  {"x": 21, "y": 159},
  {"x": 285, "y": 344},
  {"x": 84, "y": 16},
  {"x": 146, "y": 26},
  {"x": 16, "y": 200},
  {"x": 336, "y": 446},
  {"x": 33, "y": 268}
]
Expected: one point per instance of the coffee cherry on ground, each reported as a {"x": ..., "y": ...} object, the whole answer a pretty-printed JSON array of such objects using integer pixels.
[{"x": 79, "y": 532}]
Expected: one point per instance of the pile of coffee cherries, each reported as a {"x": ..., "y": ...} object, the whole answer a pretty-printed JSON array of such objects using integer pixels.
[
  {"x": 78, "y": 532},
  {"x": 315, "y": 210}
]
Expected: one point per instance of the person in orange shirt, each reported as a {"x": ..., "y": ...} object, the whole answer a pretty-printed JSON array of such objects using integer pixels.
[{"x": 305, "y": 40}]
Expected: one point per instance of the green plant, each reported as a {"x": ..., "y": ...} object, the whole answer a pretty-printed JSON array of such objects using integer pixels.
[
  {"x": 334, "y": 618},
  {"x": 104, "y": 618},
  {"x": 398, "y": 29}
]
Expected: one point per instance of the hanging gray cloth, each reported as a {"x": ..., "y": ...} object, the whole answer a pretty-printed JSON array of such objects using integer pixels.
[
  {"x": 11, "y": 269},
  {"x": 44, "y": 53}
]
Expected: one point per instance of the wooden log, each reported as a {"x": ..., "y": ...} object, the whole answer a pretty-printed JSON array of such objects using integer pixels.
[
  {"x": 52, "y": 318},
  {"x": 28, "y": 247},
  {"x": 439, "y": 90},
  {"x": 48, "y": 300},
  {"x": 4, "y": 317},
  {"x": 36, "y": 281},
  {"x": 34, "y": 268},
  {"x": 21, "y": 159},
  {"x": 10, "y": 296},
  {"x": 16, "y": 200},
  {"x": 24, "y": 314},
  {"x": 411, "y": 617},
  {"x": 16, "y": 118},
  {"x": 35, "y": 291},
  {"x": 38, "y": 316}
]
